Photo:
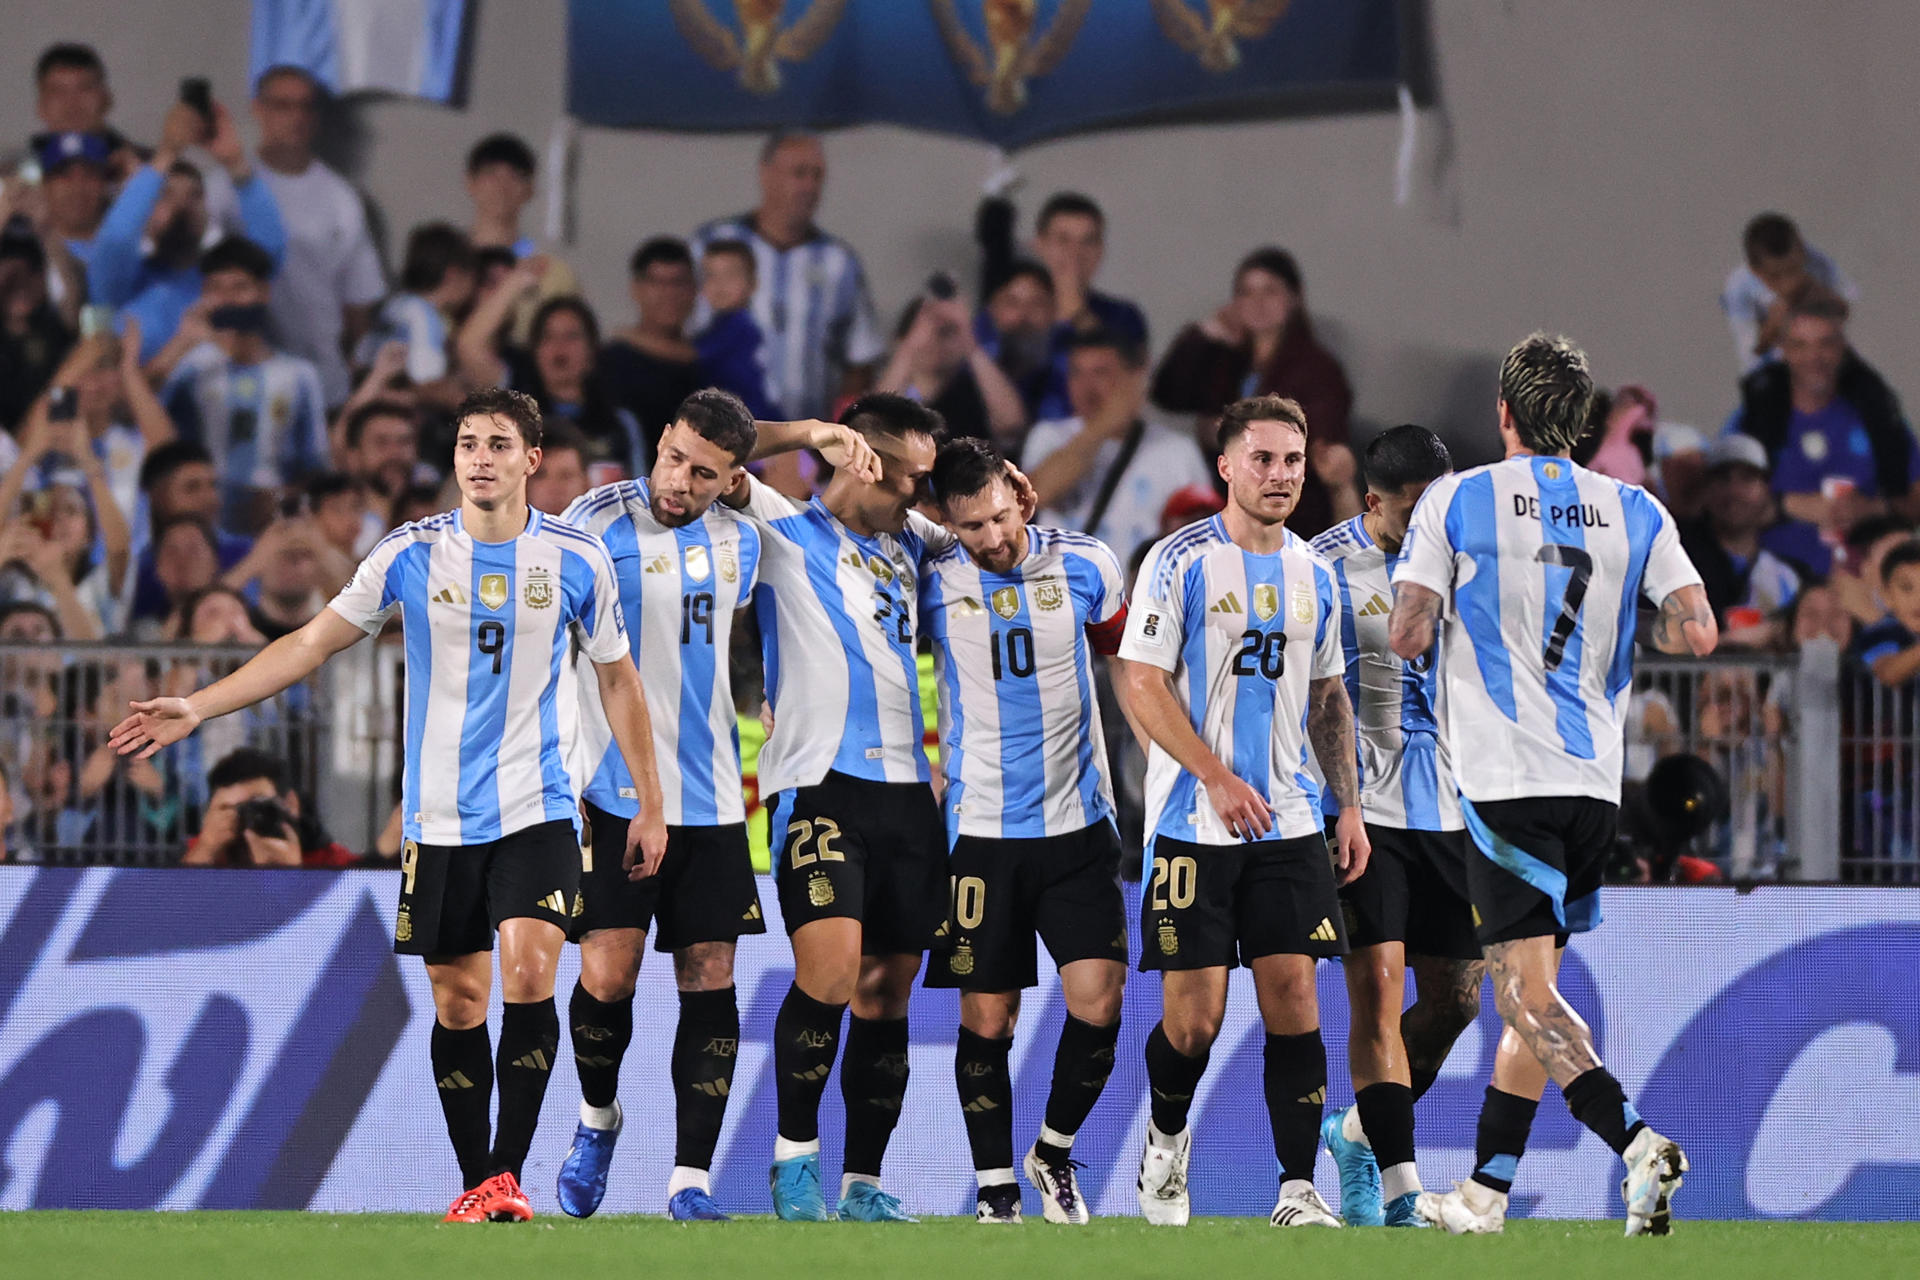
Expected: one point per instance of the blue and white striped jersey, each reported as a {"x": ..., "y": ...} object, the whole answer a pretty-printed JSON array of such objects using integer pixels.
[
  {"x": 264, "y": 424},
  {"x": 487, "y": 625},
  {"x": 837, "y": 613},
  {"x": 811, "y": 304},
  {"x": 1243, "y": 636},
  {"x": 1406, "y": 775},
  {"x": 678, "y": 589},
  {"x": 1540, "y": 565},
  {"x": 1024, "y": 755}
]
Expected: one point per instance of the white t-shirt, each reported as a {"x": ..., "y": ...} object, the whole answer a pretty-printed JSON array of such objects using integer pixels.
[
  {"x": 1165, "y": 462},
  {"x": 330, "y": 263}
]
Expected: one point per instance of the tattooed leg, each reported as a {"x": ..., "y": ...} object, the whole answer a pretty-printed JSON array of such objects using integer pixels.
[
  {"x": 1448, "y": 1000},
  {"x": 1523, "y": 973}
]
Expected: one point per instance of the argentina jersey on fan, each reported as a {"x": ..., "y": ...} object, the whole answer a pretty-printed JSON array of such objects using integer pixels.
[
  {"x": 837, "y": 613},
  {"x": 679, "y": 588},
  {"x": 1023, "y": 752},
  {"x": 1406, "y": 774},
  {"x": 486, "y": 634},
  {"x": 1242, "y": 635},
  {"x": 1540, "y": 565}
]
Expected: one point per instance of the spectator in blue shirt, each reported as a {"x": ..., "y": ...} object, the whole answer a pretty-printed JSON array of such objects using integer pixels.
[
  {"x": 166, "y": 201},
  {"x": 1839, "y": 449},
  {"x": 732, "y": 347}
]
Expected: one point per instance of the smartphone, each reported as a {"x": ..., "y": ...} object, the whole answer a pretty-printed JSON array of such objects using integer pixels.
[
  {"x": 197, "y": 92},
  {"x": 63, "y": 404},
  {"x": 95, "y": 318}
]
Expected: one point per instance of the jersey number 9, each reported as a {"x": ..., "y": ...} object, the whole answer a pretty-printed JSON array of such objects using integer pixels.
[{"x": 491, "y": 640}]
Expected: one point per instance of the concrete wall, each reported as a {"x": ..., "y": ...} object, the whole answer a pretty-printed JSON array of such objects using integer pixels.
[{"x": 1587, "y": 169}]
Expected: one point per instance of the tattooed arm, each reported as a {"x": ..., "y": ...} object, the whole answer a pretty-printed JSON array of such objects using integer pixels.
[
  {"x": 1415, "y": 620},
  {"x": 1330, "y": 729},
  {"x": 1684, "y": 624}
]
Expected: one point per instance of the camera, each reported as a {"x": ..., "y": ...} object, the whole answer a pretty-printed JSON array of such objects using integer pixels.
[{"x": 264, "y": 816}]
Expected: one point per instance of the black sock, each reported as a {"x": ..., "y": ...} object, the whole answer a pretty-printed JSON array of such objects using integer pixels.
[
  {"x": 1505, "y": 1121},
  {"x": 463, "y": 1068},
  {"x": 873, "y": 1082},
  {"x": 602, "y": 1030},
  {"x": 1171, "y": 1077},
  {"x": 986, "y": 1098},
  {"x": 529, "y": 1039},
  {"x": 1296, "y": 1081},
  {"x": 1386, "y": 1113},
  {"x": 1422, "y": 1081},
  {"x": 705, "y": 1047},
  {"x": 1081, "y": 1065},
  {"x": 1598, "y": 1102},
  {"x": 805, "y": 1035}
]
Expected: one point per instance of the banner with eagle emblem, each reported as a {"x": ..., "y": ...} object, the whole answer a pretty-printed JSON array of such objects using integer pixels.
[{"x": 1004, "y": 71}]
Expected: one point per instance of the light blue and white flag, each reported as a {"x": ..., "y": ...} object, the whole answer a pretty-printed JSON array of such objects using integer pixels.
[{"x": 394, "y": 46}]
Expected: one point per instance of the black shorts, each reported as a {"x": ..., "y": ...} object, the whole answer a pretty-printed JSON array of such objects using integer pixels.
[
  {"x": 1065, "y": 888},
  {"x": 703, "y": 892},
  {"x": 453, "y": 897},
  {"x": 1414, "y": 891},
  {"x": 1538, "y": 865},
  {"x": 1203, "y": 906},
  {"x": 875, "y": 852}
]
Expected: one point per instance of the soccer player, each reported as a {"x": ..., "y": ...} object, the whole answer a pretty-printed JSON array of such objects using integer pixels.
[
  {"x": 1233, "y": 663},
  {"x": 1412, "y": 903},
  {"x": 859, "y": 857},
  {"x": 1539, "y": 566},
  {"x": 491, "y": 594},
  {"x": 1015, "y": 614},
  {"x": 684, "y": 566}
]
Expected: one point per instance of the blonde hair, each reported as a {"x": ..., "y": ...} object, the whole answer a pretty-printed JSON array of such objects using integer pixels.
[{"x": 1548, "y": 390}]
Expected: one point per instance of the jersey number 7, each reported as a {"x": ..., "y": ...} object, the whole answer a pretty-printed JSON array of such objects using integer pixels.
[{"x": 1581, "y": 564}]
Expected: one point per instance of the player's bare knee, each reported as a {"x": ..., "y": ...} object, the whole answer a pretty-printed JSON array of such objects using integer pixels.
[
  {"x": 991, "y": 1018},
  {"x": 1192, "y": 1032},
  {"x": 1101, "y": 1009},
  {"x": 459, "y": 1000},
  {"x": 704, "y": 966}
]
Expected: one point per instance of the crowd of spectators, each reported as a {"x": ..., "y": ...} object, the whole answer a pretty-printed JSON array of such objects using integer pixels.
[{"x": 215, "y": 396}]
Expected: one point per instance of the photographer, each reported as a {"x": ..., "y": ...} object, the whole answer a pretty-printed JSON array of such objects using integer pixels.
[{"x": 254, "y": 819}]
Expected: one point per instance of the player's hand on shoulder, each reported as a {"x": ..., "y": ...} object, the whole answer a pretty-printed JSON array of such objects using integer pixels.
[{"x": 1244, "y": 810}]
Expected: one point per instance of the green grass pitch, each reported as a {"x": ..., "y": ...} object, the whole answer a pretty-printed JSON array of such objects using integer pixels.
[{"x": 272, "y": 1246}]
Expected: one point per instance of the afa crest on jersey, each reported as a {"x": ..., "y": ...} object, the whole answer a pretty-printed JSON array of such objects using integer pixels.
[
  {"x": 493, "y": 589},
  {"x": 539, "y": 592},
  {"x": 1302, "y": 602},
  {"x": 1049, "y": 594}
]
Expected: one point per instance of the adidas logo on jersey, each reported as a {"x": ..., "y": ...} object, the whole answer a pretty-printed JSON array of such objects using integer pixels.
[
  {"x": 1229, "y": 603},
  {"x": 658, "y": 564},
  {"x": 1324, "y": 931},
  {"x": 450, "y": 594},
  {"x": 1373, "y": 608}
]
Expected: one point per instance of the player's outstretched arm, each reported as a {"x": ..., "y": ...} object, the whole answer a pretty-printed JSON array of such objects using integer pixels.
[
  {"x": 1244, "y": 810},
  {"x": 842, "y": 447},
  {"x": 287, "y": 661},
  {"x": 1415, "y": 620},
  {"x": 1685, "y": 623},
  {"x": 626, "y": 706},
  {"x": 1330, "y": 729}
]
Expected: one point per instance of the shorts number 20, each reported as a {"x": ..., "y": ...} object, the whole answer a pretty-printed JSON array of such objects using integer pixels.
[{"x": 1173, "y": 883}]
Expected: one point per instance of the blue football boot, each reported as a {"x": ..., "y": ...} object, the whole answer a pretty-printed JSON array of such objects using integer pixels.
[
  {"x": 692, "y": 1204},
  {"x": 866, "y": 1202},
  {"x": 583, "y": 1174},
  {"x": 796, "y": 1189},
  {"x": 1359, "y": 1174}
]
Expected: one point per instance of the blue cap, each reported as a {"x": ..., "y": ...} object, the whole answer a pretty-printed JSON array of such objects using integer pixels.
[{"x": 56, "y": 149}]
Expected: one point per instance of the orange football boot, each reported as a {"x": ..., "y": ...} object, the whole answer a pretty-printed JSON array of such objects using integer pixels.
[
  {"x": 467, "y": 1208},
  {"x": 502, "y": 1200}
]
